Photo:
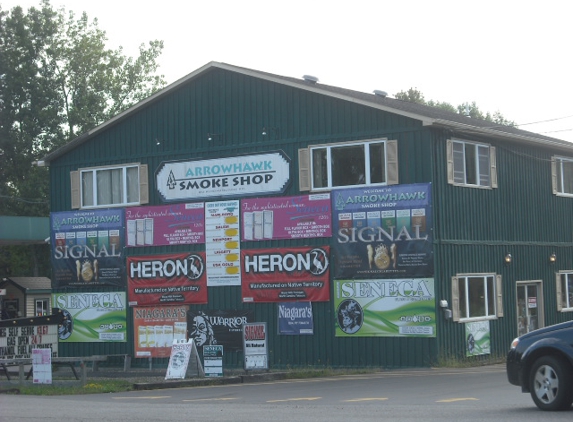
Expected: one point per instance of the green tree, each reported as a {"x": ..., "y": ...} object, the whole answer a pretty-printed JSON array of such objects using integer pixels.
[
  {"x": 57, "y": 81},
  {"x": 467, "y": 109}
]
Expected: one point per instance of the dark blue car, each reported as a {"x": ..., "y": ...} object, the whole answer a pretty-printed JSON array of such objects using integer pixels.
[{"x": 541, "y": 363}]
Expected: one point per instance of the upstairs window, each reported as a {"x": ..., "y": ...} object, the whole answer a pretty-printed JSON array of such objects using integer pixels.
[
  {"x": 476, "y": 296},
  {"x": 329, "y": 166},
  {"x": 562, "y": 175},
  {"x": 471, "y": 164},
  {"x": 110, "y": 186}
]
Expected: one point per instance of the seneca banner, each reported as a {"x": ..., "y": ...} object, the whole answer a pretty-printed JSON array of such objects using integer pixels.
[
  {"x": 92, "y": 317},
  {"x": 385, "y": 308},
  {"x": 286, "y": 274},
  {"x": 87, "y": 248},
  {"x": 383, "y": 232},
  {"x": 167, "y": 279}
]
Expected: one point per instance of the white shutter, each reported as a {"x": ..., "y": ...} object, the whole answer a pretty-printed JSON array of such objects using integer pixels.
[
  {"x": 559, "y": 292},
  {"x": 554, "y": 175},
  {"x": 75, "y": 189},
  {"x": 493, "y": 166},
  {"x": 392, "y": 161},
  {"x": 450, "y": 160},
  {"x": 143, "y": 184},
  {"x": 303, "y": 169},
  {"x": 499, "y": 293},
  {"x": 455, "y": 299}
]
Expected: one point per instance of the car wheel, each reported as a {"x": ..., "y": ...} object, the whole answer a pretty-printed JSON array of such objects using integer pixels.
[{"x": 550, "y": 383}]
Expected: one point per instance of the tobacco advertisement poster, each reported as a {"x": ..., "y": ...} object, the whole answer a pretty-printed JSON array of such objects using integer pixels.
[
  {"x": 87, "y": 248},
  {"x": 383, "y": 232},
  {"x": 385, "y": 308},
  {"x": 286, "y": 274},
  {"x": 166, "y": 279}
]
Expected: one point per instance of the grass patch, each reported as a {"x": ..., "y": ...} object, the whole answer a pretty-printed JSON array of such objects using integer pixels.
[{"x": 97, "y": 387}]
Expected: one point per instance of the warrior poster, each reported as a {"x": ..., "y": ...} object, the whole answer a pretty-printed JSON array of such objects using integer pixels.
[
  {"x": 218, "y": 327},
  {"x": 383, "y": 232},
  {"x": 87, "y": 248}
]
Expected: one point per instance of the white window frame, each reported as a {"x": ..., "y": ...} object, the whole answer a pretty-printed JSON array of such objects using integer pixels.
[
  {"x": 307, "y": 170},
  {"x": 564, "y": 287},
  {"x": 139, "y": 191},
  {"x": 458, "y": 172},
  {"x": 558, "y": 176},
  {"x": 495, "y": 297},
  {"x": 46, "y": 308}
]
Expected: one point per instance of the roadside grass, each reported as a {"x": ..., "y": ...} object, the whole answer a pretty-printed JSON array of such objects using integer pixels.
[
  {"x": 94, "y": 387},
  {"x": 103, "y": 385}
]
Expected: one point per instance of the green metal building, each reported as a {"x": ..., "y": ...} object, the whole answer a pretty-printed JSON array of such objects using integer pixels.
[{"x": 501, "y": 204}]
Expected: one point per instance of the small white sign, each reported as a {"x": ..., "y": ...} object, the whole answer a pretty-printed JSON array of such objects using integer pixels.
[
  {"x": 2, "y": 292},
  {"x": 42, "y": 366}
]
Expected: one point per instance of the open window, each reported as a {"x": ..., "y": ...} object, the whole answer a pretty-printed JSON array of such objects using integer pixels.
[{"x": 348, "y": 164}]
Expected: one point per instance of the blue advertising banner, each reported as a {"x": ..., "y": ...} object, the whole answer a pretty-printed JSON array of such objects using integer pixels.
[
  {"x": 295, "y": 318},
  {"x": 383, "y": 232},
  {"x": 87, "y": 248}
]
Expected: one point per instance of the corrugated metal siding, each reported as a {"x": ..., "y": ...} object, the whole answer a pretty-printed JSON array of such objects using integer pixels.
[
  {"x": 475, "y": 228},
  {"x": 237, "y": 108}
]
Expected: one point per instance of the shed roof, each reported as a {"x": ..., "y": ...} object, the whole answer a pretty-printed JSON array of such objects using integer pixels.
[
  {"x": 29, "y": 284},
  {"x": 429, "y": 116}
]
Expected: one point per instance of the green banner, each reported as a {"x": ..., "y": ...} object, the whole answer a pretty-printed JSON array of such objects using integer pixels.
[
  {"x": 385, "y": 308},
  {"x": 478, "y": 338},
  {"x": 92, "y": 317}
]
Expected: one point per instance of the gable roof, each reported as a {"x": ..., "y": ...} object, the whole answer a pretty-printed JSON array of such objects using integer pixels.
[
  {"x": 30, "y": 284},
  {"x": 429, "y": 116}
]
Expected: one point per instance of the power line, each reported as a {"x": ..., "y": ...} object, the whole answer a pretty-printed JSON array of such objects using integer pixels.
[{"x": 28, "y": 201}]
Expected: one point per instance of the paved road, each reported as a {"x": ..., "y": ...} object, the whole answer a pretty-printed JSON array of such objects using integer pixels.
[{"x": 425, "y": 395}]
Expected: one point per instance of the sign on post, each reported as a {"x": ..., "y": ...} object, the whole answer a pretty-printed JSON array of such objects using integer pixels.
[
  {"x": 213, "y": 361},
  {"x": 255, "y": 345}
]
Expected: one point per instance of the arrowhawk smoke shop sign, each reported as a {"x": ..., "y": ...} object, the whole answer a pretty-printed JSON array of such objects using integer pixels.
[{"x": 231, "y": 176}]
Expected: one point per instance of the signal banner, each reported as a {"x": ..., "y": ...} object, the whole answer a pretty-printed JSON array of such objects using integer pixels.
[
  {"x": 383, "y": 232},
  {"x": 385, "y": 308},
  {"x": 87, "y": 248},
  {"x": 167, "y": 279},
  {"x": 286, "y": 274}
]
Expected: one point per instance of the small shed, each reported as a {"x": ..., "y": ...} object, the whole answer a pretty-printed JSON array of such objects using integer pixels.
[{"x": 25, "y": 296}]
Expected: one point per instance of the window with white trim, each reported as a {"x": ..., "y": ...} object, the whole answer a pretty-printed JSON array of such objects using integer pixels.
[
  {"x": 471, "y": 164},
  {"x": 112, "y": 186},
  {"x": 562, "y": 175},
  {"x": 348, "y": 164},
  {"x": 565, "y": 291},
  {"x": 42, "y": 307},
  {"x": 476, "y": 296}
]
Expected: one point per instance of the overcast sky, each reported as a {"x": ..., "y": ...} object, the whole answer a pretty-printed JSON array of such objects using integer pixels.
[{"x": 512, "y": 56}]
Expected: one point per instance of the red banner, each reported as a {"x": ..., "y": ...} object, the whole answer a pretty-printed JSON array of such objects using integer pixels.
[
  {"x": 166, "y": 279},
  {"x": 286, "y": 274}
]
